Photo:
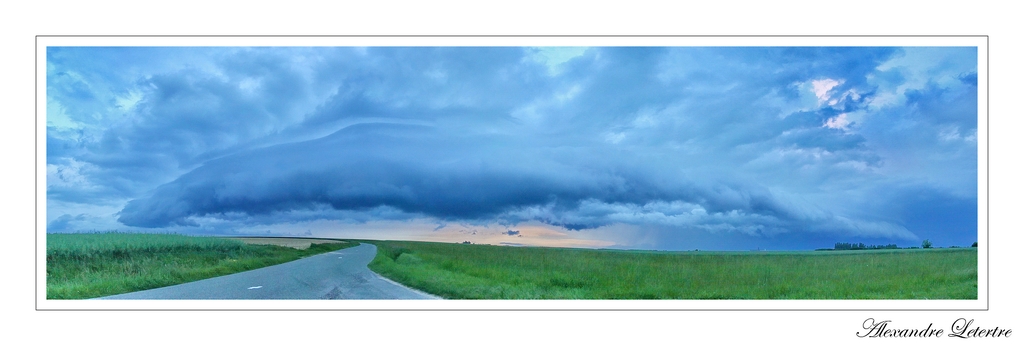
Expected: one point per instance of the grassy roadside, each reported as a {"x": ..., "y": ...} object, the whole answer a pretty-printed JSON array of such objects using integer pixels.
[
  {"x": 82, "y": 266},
  {"x": 462, "y": 271}
]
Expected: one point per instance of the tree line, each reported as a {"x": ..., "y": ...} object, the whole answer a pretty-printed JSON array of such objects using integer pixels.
[
  {"x": 927, "y": 244},
  {"x": 861, "y": 246}
]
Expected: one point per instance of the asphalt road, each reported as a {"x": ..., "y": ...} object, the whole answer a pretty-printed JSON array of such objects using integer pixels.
[{"x": 340, "y": 274}]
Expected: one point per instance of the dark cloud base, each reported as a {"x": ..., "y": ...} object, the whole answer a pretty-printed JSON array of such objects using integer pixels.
[{"x": 469, "y": 179}]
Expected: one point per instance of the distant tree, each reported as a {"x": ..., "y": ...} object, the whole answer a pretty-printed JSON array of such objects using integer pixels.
[
  {"x": 926, "y": 244},
  {"x": 975, "y": 244}
]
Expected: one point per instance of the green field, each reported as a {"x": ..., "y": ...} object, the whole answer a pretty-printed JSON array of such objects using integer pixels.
[
  {"x": 80, "y": 266},
  {"x": 462, "y": 271},
  {"x": 89, "y": 265}
]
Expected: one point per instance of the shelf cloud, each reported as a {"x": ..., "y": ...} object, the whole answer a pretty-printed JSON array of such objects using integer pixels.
[{"x": 800, "y": 144}]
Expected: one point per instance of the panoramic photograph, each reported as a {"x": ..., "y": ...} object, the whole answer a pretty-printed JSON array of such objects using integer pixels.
[{"x": 511, "y": 172}]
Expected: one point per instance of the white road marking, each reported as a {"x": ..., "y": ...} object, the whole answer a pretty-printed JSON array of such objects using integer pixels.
[{"x": 255, "y": 287}]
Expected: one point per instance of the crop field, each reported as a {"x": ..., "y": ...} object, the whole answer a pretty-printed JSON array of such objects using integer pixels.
[
  {"x": 89, "y": 265},
  {"x": 463, "y": 271}
]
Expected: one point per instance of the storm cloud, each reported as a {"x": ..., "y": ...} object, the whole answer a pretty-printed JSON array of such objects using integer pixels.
[
  {"x": 454, "y": 178},
  {"x": 789, "y": 142}
]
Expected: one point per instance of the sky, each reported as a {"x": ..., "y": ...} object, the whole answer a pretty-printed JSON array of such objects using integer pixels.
[{"x": 664, "y": 148}]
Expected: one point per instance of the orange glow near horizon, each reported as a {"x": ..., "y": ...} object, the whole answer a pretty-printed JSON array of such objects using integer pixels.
[{"x": 530, "y": 234}]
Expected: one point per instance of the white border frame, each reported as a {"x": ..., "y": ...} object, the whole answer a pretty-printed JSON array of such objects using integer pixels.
[{"x": 981, "y": 42}]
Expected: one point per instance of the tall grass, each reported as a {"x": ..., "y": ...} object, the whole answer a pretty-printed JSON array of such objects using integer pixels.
[
  {"x": 81, "y": 265},
  {"x": 100, "y": 245},
  {"x": 460, "y": 271}
]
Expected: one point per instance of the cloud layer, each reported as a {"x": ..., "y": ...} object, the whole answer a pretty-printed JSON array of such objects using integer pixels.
[{"x": 796, "y": 143}]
